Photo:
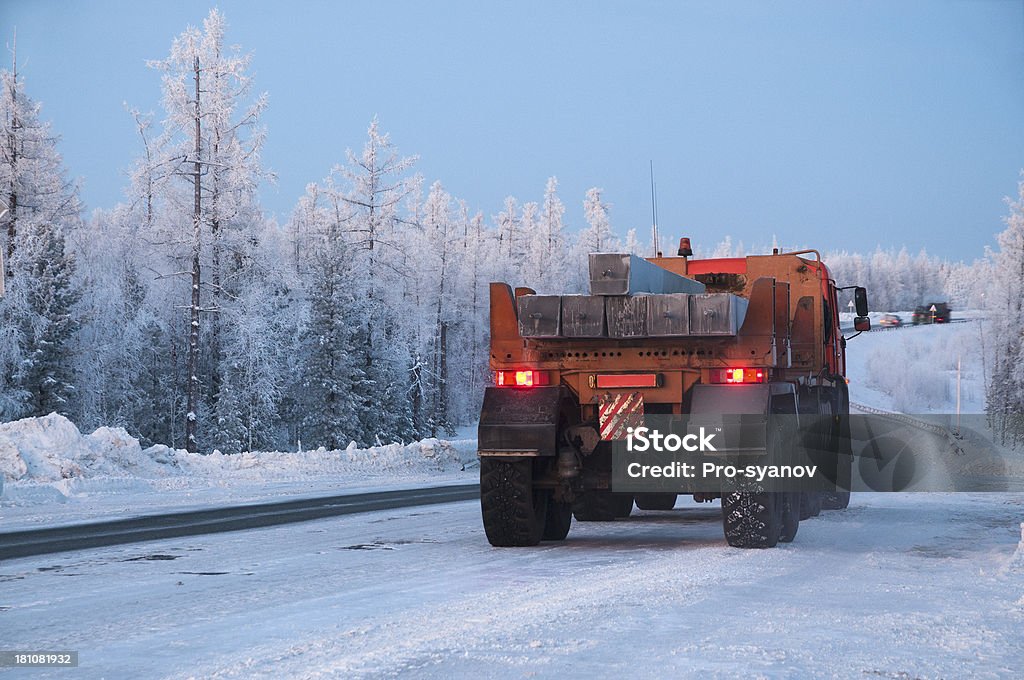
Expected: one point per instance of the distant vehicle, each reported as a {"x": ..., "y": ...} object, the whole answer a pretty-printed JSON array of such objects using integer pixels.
[
  {"x": 933, "y": 312},
  {"x": 891, "y": 320}
]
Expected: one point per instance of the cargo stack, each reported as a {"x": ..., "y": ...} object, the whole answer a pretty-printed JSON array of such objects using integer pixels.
[{"x": 632, "y": 298}]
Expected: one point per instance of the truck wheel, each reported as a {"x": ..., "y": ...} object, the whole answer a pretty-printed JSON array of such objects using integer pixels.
[
  {"x": 810, "y": 504},
  {"x": 558, "y": 520},
  {"x": 623, "y": 504},
  {"x": 514, "y": 513},
  {"x": 751, "y": 519},
  {"x": 594, "y": 505},
  {"x": 835, "y": 500},
  {"x": 790, "y": 515},
  {"x": 656, "y": 501}
]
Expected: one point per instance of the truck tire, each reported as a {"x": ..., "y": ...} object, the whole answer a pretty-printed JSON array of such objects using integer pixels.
[
  {"x": 623, "y": 505},
  {"x": 594, "y": 505},
  {"x": 514, "y": 513},
  {"x": 837, "y": 466},
  {"x": 558, "y": 521},
  {"x": 790, "y": 515},
  {"x": 810, "y": 504},
  {"x": 656, "y": 501},
  {"x": 752, "y": 519}
]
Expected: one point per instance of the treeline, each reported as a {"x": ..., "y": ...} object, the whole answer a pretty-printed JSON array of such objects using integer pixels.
[{"x": 187, "y": 317}]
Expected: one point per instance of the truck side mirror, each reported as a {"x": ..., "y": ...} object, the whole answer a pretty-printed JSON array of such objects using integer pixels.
[
  {"x": 860, "y": 301},
  {"x": 862, "y": 323}
]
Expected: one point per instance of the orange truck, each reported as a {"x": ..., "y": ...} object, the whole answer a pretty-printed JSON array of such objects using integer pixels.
[{"x": 661, "y": 336}]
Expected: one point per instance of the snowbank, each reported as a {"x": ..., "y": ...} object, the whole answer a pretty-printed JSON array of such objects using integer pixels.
[
  {"x": 915, "y": 370},
  {"x": 42, "y": 458}
]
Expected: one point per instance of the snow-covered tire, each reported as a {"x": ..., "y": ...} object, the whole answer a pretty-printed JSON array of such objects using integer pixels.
[
  {"x": 594, "y": 505},
  {"x": 558, "y": 521},
  {"x": 752, "y": 519},
  {"x": 810, "y": 504},
  {"x": 790, "y": 515},
  {"x": 656, "y": 501},
  {"x": 514, "y": 513},
  {"x": 835, "y": 500}
]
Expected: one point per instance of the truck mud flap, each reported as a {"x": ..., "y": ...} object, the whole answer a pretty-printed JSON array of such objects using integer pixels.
[
  {"x": 740, "y": 412},
  {"x": 520, "y": 421},
  {"x": 619, "y": 412}
]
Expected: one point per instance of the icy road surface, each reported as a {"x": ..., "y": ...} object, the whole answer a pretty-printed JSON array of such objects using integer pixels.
[{"x": 898, "y": 586}]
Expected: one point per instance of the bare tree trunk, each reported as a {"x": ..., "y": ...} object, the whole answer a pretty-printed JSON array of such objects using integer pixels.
[
  {"x": 443, "y": 387},
  {"x": 12, "y": 142},
  {"x": 214, "y": 208},
  {"x": 192, "y": 362}
]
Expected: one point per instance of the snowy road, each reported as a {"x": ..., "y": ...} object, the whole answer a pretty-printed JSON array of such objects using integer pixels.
[
  {"x": 231, "y": 518},
  {"x": 913, "y": 585}
]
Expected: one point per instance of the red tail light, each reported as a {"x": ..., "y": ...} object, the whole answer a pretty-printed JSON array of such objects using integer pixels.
[
  {"x": 737, "y": 376},
  {"x": 521, "y": 378}
]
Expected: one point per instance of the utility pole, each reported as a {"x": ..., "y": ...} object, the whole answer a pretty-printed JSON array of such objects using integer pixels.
[
  {"x": 192, "y": 362},
  {"x": 959, "y": 359}
]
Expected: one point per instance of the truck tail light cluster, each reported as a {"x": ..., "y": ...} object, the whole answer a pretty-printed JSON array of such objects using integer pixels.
[
  {"x": 737, "y": 376},
  {"x": 522, "y": 378}
]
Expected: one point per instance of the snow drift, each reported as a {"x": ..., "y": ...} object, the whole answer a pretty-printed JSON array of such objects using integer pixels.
[{"x": 50, "y": 451}]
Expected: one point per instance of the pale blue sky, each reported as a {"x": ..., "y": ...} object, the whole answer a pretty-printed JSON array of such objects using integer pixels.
[{"x": 829, "y": 124}]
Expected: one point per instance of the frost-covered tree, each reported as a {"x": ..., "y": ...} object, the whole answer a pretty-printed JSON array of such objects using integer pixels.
[
  {"x": 598, "y": 237},
  {"x": 255, "y": 345},
  {"x": 111, "y": 365},
  {"x": 38, "y": 320},
  {"x": 329, "y": 369},
  {"x": 213, "y": 144},
  {"x": 376, "y": 186},
  {"x": 438, "y": 267},
  {"x": 632, "y": 244},
  {"x": 548, "y": 257},
  {"x": 1005, "y": 394},
  {"x": 510, "y": 237}
]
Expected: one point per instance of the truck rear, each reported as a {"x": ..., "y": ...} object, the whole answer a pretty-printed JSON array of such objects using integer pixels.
[{"x": 662, "y": 337}]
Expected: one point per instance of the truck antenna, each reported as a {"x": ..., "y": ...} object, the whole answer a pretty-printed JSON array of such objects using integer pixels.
[{"x": 654, "y": 213}]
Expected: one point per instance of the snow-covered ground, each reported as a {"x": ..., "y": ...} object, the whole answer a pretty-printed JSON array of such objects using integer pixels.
[
  {"x": 55, "y": 475},
  {"x": 915, "y": 370},
  {"x": 898, "y": 586}
]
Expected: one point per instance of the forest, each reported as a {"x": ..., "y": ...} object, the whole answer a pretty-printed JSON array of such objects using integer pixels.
[{"x": 186, "y": 316}]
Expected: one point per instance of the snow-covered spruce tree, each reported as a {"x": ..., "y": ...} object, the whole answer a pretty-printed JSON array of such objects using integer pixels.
[
  {"x": 215, "y": 140},
  {"x": 112, "y": 347},
  {"x": 510, "y": 235},
  {"x": 1005, "y": 394},
  {"x": 141, "y": 283},
  {"x": 437, "y": 270},
  {"x": 529, "y": 269},
  {"x": 322, "y": 402},
  {"x": 469, "y": 351},
  {"x": 598, "y": 237},
  {"x": 377, "y": 184},
  {"x": 547, "y": 259},
  {"x": 255, "y": 344},
  {"x": 632, "y": 244},
  {"x": 37, "y": 316}
]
